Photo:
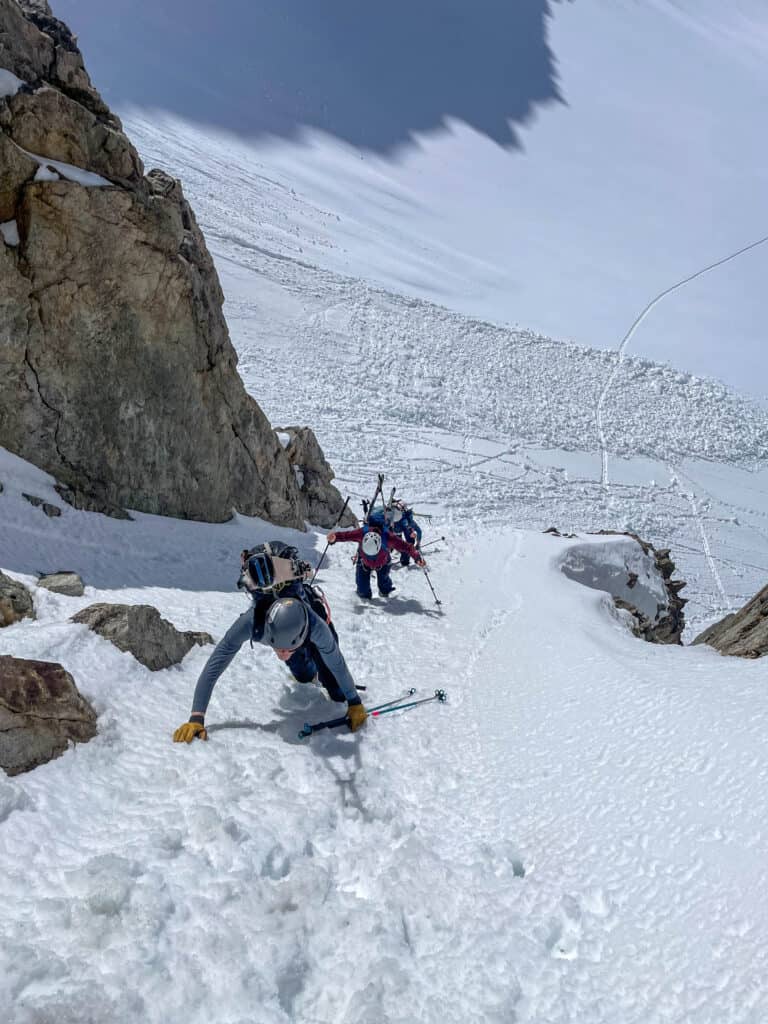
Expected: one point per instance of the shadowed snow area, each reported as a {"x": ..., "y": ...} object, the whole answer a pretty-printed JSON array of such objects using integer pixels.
[
  {"x": 607, "y": 566},
  {"x": 368, "y": 74}
]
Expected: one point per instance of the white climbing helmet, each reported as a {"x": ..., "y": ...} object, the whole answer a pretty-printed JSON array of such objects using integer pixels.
[{"x": 371, "y": 544}]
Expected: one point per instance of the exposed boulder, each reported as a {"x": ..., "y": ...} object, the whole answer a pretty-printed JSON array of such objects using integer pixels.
[
  {"x": 743, "y": 633},
  {"x": 322, "y": 502},
  {"x": 15, "y": 601},
  {"x": 62, "y": 582},
  {"x": 140, "y": 630},
  {"x": 48, "y": 123},
  {"x": 639, "y": 579},
  {"x": 52, "y": 511},
  {"x": 41, "y": 711}
]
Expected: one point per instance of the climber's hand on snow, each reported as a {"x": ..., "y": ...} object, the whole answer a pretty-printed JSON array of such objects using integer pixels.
[
  {"x": 187, "y": 732},
  {"x": 331, "y": 538},
  {"x": 420, "y": 562},
  {"x": 356, "y": 716}
]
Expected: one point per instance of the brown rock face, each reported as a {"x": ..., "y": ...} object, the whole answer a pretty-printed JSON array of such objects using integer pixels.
[
  {"x": 322, "y": 503},
  {"x": 16, "y": 169},
  {"x": 744, "y": 633},
  {"x": 37, "y": 47},
  {"x": 41, "y": 710},
  {"x": 48, "y": 123},
  {"x": 140, "y": 630},
  {"x": 117, "y": 374}
]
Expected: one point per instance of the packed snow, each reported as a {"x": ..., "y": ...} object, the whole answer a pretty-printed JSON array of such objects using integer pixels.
[
  {"x": 9, "y": 83},
  {"x": 50, "y": 170},
  {"x": 9, "y": 229},
  {"x": 577, "y": 835},
  {"x": 649, "y": 171}
]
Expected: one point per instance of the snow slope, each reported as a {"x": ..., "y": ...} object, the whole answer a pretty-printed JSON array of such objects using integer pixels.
[
  {"x": 574, "y": 836},
  {"x": 650, "y": 170},
  {"x": 578, "y": 835}
]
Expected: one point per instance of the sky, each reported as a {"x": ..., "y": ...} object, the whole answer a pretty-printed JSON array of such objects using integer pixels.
[{"x": 564, "y": 168}]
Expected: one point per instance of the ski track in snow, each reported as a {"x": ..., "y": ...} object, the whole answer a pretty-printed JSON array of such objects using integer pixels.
[
  {"x": 577, "y": 835},
  {"x": 620, "y": 352}
]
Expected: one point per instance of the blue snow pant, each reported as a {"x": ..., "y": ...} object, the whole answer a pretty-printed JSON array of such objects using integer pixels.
[
  {"x": 305, "y": 663},
  {"x": 413, "y": 536},
  {"x": 383, "y": 579}
]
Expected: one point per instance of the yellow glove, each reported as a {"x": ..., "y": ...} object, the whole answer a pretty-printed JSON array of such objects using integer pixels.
[
  {"x": 356, "y": 716},
  {"x": 187, "y": 732}
]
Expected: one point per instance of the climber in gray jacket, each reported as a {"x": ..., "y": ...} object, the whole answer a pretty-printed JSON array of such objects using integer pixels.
[{"x": 296, "y": 633}]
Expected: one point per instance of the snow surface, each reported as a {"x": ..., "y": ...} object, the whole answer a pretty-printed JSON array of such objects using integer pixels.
[
  {"x": 650, "y": 170},
  {"x": 78, "y": 174},
  {"x": 578, "y": 835},
  {"x": 9, "y": 229},
  {"x": 9, "y": 83}
]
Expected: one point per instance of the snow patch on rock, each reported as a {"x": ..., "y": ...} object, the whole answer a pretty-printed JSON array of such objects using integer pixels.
[
  {"x": 9, "y": 229},
  {"x": 9, "y": 83}
]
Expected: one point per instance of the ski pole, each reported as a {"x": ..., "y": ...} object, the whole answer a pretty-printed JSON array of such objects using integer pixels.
[
  {"x": 431, "y": 542},
  {"x": 322, "y": 557},
  {"x": 438, "y": 602},
  {"x": 440, "y": 695},
  {"x": 335, "y": 723}
]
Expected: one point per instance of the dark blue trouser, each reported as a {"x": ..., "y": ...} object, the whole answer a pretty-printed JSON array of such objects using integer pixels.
[
  {"x": 413, "y": 538},
  {"x": 363, "y": 579},
  {"x": 305, "y": 663}
]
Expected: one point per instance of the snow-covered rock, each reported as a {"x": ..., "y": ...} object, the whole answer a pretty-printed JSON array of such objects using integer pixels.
[
  {"x": 41, "y": 711},
  {"x": 639, "y": 579}
]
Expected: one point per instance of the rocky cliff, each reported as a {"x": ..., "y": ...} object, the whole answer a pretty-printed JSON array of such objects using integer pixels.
[
  {"x": 117, "y": 374},
  {"x": 743, "y": 633}
]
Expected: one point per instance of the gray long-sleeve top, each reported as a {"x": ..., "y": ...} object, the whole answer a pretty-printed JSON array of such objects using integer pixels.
[{"x": 242, "y": 629}]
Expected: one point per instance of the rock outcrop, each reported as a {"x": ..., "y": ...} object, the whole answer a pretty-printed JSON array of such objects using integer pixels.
[
  {"x": 62, "y": 582},
  {"x": 15, "y": 601},
  {"x": 117, "y": 374},
  {"x": 140, "y": 630},
  {"x": 41, "y": 711},
  {"x": 322, "y": 503},
  {"x": 639, "y": 579},
  {"x": 743, "y": 633}
]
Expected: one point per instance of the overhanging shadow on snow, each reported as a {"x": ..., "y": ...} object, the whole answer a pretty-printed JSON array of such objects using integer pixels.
[
  {"x": 398, "y": 606},
  {"x": 370, "y": 74}
]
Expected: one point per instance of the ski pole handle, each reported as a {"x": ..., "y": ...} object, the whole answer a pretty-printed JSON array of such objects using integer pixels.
[{"x": 309, "y": 729}]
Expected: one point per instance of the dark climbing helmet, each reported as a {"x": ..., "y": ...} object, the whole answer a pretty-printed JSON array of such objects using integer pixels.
[{"x": 286, "y": 624}]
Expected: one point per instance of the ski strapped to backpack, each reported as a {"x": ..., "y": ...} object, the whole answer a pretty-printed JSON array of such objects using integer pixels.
[{"x": 396, "y": 704}]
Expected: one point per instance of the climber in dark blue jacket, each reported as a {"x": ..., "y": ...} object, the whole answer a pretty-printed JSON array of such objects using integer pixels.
[{"x": 402, "y": 521}]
